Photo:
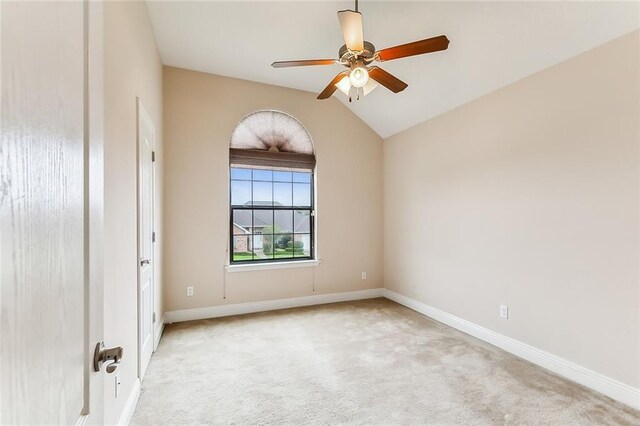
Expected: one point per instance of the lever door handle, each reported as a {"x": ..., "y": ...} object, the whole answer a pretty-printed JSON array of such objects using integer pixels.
[
  {"x": 102, "y": 355},
  {"x": 145, "y": 262}
]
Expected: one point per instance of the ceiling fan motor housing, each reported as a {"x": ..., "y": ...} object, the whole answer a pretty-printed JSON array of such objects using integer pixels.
[{"x": 348, "y": 57}]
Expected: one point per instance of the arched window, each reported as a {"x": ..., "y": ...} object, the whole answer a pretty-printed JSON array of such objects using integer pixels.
[{"x": 271, "y": 163}]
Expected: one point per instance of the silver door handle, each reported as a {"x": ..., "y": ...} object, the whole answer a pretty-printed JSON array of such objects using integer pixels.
[
  {"x": 102, "y": 355},
  {"x": 145, "y": 262}
]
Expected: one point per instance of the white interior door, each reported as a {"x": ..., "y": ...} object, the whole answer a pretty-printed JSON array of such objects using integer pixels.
[
  {"x": 146, "y": 135},
  {"x": 50, "y": 200}
]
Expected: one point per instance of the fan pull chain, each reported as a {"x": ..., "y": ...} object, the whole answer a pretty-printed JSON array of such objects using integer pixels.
[{"x": 359, "y": 91}]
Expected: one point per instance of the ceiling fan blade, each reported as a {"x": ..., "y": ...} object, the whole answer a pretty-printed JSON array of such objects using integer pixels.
[
  {"x": 328, "y": 91},
  {"x": 351, "y": 25},
  {"x": 304, "y": 62},
  {"x": 387, "y": 80},
  {"x": 433, "y": 44}
]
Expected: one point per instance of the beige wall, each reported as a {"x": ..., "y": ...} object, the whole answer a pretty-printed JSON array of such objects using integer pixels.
[
  {"x": 201, "y": 111},
  {"x": 132, "y": 69},
  {"x": 529, "y": 197}
]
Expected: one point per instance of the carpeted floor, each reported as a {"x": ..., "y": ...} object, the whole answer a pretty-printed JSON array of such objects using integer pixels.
[{"x": 370, "y": 362}]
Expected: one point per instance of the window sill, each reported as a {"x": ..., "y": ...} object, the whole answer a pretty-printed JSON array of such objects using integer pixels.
[{"x": 274, "y": 265}]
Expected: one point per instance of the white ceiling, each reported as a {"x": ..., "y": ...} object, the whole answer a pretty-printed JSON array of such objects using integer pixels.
[{"x": 492, "y": 45}]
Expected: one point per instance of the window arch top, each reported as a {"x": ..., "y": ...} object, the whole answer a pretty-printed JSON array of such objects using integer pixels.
[{"x": 270, "y": 130}]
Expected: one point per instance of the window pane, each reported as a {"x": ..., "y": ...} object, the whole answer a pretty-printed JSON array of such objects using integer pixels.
[
  {"x": 242, "y": 248},
  {"x": 262, "y": 222},
  {"x": 301, "y": 194},
  {"x": 263, "y": 175},
  {"x": 282, "y": 194},
  {"x": 240, "y": 193},
  {"x": 242, "y": 220},
  {"x": 301, "y": 245},
  {"x": 265, "y": 232},
  {"x": 263, "y": 247},
  {"x": 262, "y": 195},
  {"x": 284, "y": 221},
  {"x": 302, "y": 177},
  {"x": 240, "y": 174},
  {"x": 302, "y": 221},
  {"x": 282, "y": 176},
  {"x": 283, "y": 246}
]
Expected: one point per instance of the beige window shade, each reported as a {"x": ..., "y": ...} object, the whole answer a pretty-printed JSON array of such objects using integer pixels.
[
  {"x": 261, "y": 158},
  {"x": 268, "y": 130}
]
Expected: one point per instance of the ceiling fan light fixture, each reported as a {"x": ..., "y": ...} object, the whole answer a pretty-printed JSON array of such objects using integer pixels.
[
  {"x": 368, "y": 88},
  {"x": 359, "y": 76},
  {"x": 344, "y": 85}
]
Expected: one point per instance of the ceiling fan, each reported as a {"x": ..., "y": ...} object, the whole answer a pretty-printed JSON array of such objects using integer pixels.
[{"x": 357, "y": 55}]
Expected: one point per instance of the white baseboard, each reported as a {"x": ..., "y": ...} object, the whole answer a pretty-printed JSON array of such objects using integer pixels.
[
  {"x": 130, "y": 406},
  {"x": 577, "y": 373},
  {"x": 268, "y": 305}
]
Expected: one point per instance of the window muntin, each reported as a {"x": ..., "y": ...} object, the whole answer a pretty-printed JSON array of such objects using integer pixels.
[{"x": 271, "y": 215}]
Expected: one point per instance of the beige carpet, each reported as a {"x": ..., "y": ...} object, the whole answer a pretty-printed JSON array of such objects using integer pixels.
[{"x": 369, "y": 362}]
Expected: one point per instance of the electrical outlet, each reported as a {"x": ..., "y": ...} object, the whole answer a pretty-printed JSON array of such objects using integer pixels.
[
  {"x": 364, "y": 275},
  {"x": 117, "y": 386},
  {"x": 504, "y": 311},
  {"x": 189, "y": 291}
]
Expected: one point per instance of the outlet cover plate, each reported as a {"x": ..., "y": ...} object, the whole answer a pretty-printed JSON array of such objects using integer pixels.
[{"x": 504, "y": 311}]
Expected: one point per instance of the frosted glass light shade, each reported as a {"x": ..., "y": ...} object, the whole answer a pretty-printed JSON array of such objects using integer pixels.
[
  {"x": 368, "y": 88},
  {"x": 344, "y": 85},
  {"x": 359, "y": 77}
]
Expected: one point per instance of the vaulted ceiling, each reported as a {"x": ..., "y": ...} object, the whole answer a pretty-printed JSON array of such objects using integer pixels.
[{"x": 492, "y": 45}]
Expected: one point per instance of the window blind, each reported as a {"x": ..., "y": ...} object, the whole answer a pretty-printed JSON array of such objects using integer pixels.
[{"x": 254, "y": 157}]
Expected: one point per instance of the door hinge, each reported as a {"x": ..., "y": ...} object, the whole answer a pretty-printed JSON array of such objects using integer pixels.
[
  {"x": 154, "y": 317},
  {"x": 153, "y": 156},
  {"x": 153, "y": 237}
]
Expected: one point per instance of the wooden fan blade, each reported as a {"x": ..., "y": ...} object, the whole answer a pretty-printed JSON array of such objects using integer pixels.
[
  {"x": 302, "y": 63},
  {"x": 328, "y": 91},
  {"x": 351, "y": 25},
  {"x": 387, "y": 80},
  {"x": 433, "y": 44}
]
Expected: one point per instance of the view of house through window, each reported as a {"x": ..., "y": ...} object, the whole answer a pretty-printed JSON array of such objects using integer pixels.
[{"x": 271, "y": 214}]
